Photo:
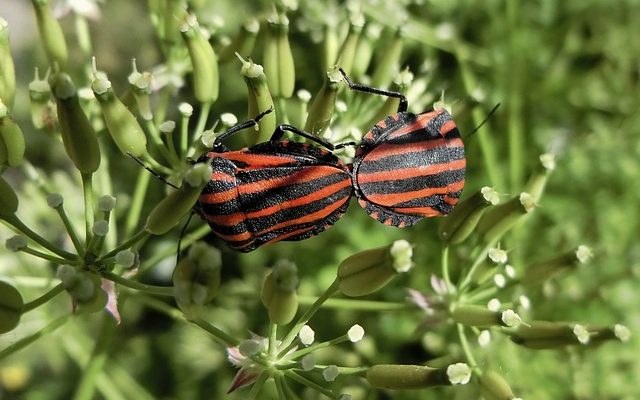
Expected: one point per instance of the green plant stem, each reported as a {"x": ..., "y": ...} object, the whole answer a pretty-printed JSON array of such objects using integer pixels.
[
  {"x": 49, "y": 257},
  {"x": 141, "y": 235},
  {"x": 309, "y": 383},
  {"x": 184, "y": 136},
  {"x": 466, "y": 348},
  {"x": 87, "y": 188},
  {"x": 33, "y": 304},
  {"x": 163, "y": 104},
  {"x": 159, "y": 145},
  {"x": 360, "y": 371},
  {"x": 477, "y": 262},
  {"x": 150, "y": 289},
  {"x": 222, "y": 336},
  {"x": 318, "y": 346},
  {"x": 444, "y": 260},
  {"x": 135, "y": 208},
  {"x": 331, "y": 290},
  {"x": 282, "y": 105},
  {"x": 481, "y": 294},
  {"x": 278, "y": 379},
  {"x": 202, "y": 118},
  {"x": 25, "y": 341},
  {"x": 73, "y": 235},
  {"x": 360, "y": 305},
  {"x": 23, "y": 229},
  {"x": 273, "y": 332},
  {"x": 87, "y": 386}
]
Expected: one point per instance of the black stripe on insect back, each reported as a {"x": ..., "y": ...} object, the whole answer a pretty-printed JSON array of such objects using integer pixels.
[
  {"x": 400, "y": 159},
  {"x": 292, "y": 213},
  {"x": 256, "y": 201},
  {"x": 417, "y": 183},
  {"x": 429, "y": 201}
]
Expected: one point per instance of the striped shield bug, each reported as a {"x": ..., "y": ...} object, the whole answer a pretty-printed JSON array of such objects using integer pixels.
[
  {"x": 273, "y": 191},
  {"x": 408, "y": 166}
]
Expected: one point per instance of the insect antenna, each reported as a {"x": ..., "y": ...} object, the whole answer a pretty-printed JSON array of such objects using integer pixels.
[
  {"x": 483, "y": 121},
  {"x": 154, "y": 173}
]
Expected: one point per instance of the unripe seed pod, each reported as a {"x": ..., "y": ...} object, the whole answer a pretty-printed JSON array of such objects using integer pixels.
[
  {"x": 330, "y": 46},
  {"x": 348, "y": 48},
  {"x": 458, "y": 225},
  {"x": 78, "y": 136},
  {"x": 545, "y": 335},
  {"x": 8, "y": 200},
  {"x": 539, "y": 272},
  {"x": 474, "y": 315},
  {"x": 172, "y": 208},
  {"x": 368, "y": 271},
  {"x": 243, "y": 42},
  {"x": 140, "y": 84},
  {"x": 498, "y": 220},
  {"x": 10, "y": 307},
  {"x": 206, "y": 82},
  {"x": 323, "y": 105},
  {"x": 364, "y": 51},
  {"x": 11, "y": 138},
  {"x": 125, "y": 130},
  {"x": 389, "y": 61},
  {"x": 279, "y": 292},
  {"x": 50, "y": 33},
  {"x": 260, "y": 100},
  {"x": 394, "y": 376},
  {"x": 278, "y": 59},
  {"x": 7, "y": 68},
  {"x": 538, "y": 181},
  {"x": 494, "y": 387}
]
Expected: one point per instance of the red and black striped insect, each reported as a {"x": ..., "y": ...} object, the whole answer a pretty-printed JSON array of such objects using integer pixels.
[
  {"x": 408, "y": 166},
  {"x": 273, "y": 191}
]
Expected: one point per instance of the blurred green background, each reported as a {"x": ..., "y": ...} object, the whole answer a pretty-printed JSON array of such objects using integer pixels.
[{"x": 567, "y": 75}]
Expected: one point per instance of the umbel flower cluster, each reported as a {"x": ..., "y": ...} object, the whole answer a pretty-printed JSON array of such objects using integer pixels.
[{"x": 95, "y": 252}]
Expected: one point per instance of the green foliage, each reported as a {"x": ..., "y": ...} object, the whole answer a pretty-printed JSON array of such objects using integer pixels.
[{"x": 491, "y": 285}]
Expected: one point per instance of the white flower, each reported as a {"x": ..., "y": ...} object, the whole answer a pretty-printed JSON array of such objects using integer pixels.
[
  {"x": 548, "y": 161},
  {"x": 304, "y": 95},
  {"x": 622, "y": 332},
  {"x": 510, "y": 271},
  {"x": 341, "y": 106},
  {"x": 401, "y": 253},
  {"x": 524, "y": 302},
  {"x": 582, "y": 334},
  {"x": 306, "y": 335},
  {"x": 228, "y": 119},
  {"x": 249, "y": 347},
  {"x": 500, "y": 280},
  {"x": 356, "y": 333},
  {"x": 459, "y": 373},
  {"x": 484, "y": 338},
  {"x": 584, "y": 254},
  {"x": 490, "y": 195},
  {"x": 494, "y": 305},
  {"x": 527, "y": 201},
  {"x": 308, "y": 362},
  {"x": 185, "y": 109},
  {"x": 498, "y": 256},
  {"x": 510, "y": 318},
  {"x": 330, "y": 373}
]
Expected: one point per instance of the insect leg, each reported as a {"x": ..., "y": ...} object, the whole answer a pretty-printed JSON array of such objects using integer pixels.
[
  {"x": 281, "y": 129},
  {"x": 247, "y": 124},
  {"x": 367, "y": 89}
]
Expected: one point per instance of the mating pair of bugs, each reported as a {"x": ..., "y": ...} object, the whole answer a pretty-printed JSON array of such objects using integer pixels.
[{"x": 406, "y": 168}]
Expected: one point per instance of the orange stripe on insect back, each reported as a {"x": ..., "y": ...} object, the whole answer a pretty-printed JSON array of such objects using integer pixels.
[
  {"x": 447, "y": 127},
  {"x": 390, "y": 149},
  {"x": 305, "y": 175},
  {"x": 289, "y": 234},
  {"x": 226, "y": 219},
  {"x": 219, "y": 197},
  {"x": 311, "y": 217},
  {"x": 221, "y": 176},
  {"x": 234, "y": 238},
  {"x": 424, "y": 211},
  {"x": 390, "y": 199},
  {"x": 407, "y": 173},
  {"x": 257, "y": 160},
  {"x": 300, "y": 201},
  {"x": 420, "y": 123}
]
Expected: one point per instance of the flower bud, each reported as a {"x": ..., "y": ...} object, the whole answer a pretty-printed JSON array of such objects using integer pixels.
[
  {"x": 140, "y": 85},
  {"x": 243, "y": 42},
  {"x": 323, "y": 105},
  {"x": 78, "y": 136},
  {"x": 278, "y": 59},
  {"x": 388, "y": 63},
  {"x": 10, "y": 307},
  {"x": 539, "y": 272},
  {"x": 458, "y": 225},
  {"x": 172, "y": 208},
  {"x": 260, "y": 100},
  {"x": 11, "y": 139},
  {"x": 330, "y": 373},
  {"x": 494, "y": 387},
  {"x": 7, "y": 68},
  {"x": 203, "y": 60},
  {"x": 536, "y": 184},
  {"x": 279, "y": 292},
  {"x": 364, "y": 50},
  {"x": 40, "y": 105},
  {"x": 50, "y": 33},
  {"x": 125, "y": 130},
  {"x": 8, "y": 200},
  {"x": 84, "y": 288},
  {"x": 367, "y": 271},
  {"x": 196, "y": 279},
  {"x": 347, "y": 50},
  {"x": 498, "y": 220},
  {"x": 394, "y": 376}
]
